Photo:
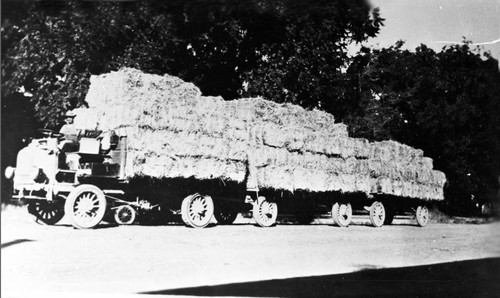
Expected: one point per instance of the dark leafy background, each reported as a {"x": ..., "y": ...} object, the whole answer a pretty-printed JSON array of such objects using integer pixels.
[{"x": 446, "y": 103}]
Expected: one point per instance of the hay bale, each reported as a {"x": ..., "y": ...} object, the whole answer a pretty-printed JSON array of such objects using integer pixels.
[{"x": 173, "y": 131}]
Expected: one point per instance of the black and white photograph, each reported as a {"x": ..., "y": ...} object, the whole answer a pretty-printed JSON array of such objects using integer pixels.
[{"x": 250, "y": 148}]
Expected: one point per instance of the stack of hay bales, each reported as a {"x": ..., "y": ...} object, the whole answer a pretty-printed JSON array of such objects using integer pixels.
[{"x": 173, "y": 131}]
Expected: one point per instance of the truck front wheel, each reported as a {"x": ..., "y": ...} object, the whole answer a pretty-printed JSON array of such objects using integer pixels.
[
  {"x": 48, "y": 213},
  {"x": 85, "y": 206}
]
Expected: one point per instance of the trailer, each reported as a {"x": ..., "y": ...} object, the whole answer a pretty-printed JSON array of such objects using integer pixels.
[
  {"x": 89, "y": 185},
  {"x": 153, "y": 146}
]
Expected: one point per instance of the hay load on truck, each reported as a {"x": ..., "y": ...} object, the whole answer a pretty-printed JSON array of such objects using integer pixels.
[{"x": 154, "y": 142}]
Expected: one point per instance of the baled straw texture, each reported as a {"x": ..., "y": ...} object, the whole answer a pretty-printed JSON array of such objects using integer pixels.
[{"x": 174, "y": 131}]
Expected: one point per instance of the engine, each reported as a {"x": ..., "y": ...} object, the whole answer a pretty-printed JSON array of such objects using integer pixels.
[{"x": 37, "y": 166}]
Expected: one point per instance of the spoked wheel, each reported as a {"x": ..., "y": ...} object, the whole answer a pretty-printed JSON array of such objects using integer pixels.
[
  {"x": 225, "y": 214},
  {"x": 304, "y": 211},
  {"x": 342, "y": 214},
  {"x": 45, "y": 212},
  {"x": 197, "y": 210},
  {"x": 377, "y": 214},
  {"x": 422, "y": 215},
  {"x": 389, "y": 216},
  {"x": 85, "y": 206},
  {"x": 265, "y": 212},
  {"x": 125, "y": 215}
]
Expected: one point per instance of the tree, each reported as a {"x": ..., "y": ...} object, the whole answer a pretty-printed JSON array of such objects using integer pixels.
[
  {"x": 446, "y": 103},
  {"x": 59, "y": 47},
  {"x": 305, "y": 66},
  {"x": 51, "y": 48},
  {"x": 218, "y": 45}
]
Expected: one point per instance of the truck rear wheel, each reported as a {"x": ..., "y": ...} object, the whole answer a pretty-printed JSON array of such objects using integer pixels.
[
  {"x": 225, "y": 213},
  {"x": 85, "y": 206},
  {"x": 304, "y": 211},
  {"x": 377, "y": 214},
  {"x": 48, "y": 213},
  {"x": 422, "y": 215},
  {"x": 197, "y": 210},
  {"x": 265, "y": 212},
  {"x": 342, "y": 214},
  {"x": 389, "y": 216}
]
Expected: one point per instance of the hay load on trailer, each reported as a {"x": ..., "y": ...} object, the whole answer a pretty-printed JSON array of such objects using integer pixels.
[{"x": 175, "y": 132}]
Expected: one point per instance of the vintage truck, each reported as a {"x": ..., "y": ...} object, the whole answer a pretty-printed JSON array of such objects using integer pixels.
[
  {"x": 89, "y": 184},
  {"x": 154, "y": 145}
]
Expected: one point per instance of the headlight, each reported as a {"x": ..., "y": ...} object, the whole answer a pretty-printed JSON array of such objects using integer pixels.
[{"x": 9, "y": 172}]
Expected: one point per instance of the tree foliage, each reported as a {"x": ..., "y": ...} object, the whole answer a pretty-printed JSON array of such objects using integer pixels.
[
  {"x": 306, "y": 65},
  {"x": 218, "y": 45},
  {"x": 446, "y": 103},
  {"x": 51, "y": 48}
]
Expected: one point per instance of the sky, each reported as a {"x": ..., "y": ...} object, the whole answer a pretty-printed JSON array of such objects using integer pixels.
[{"x": 435, "y": 22}]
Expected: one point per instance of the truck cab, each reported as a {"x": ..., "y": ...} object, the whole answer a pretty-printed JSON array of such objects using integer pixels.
[{"x": 46, "y": 176}]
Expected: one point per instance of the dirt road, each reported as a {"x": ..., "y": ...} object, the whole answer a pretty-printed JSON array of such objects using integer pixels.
[{"x": 57, "y": 260}]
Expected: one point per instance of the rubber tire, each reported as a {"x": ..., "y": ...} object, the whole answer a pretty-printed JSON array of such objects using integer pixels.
[
  {"x": 225, "y": 215},
  {"x": 46, "y": 213},
  {"x": 260, "y": 215},
  {"x": 422, "y": 215},
  {"x": 184, "y": 209},
  {"x": 340, "y": 219},
  {"x": 189, "y": 217},
  {"x": 377, "y": 214},
  {"x": 128, "y": 210},
  {"x": 98, "y": 214},
  {"x": 389, "y": 217},
  {"x": 304, "y": 212}
]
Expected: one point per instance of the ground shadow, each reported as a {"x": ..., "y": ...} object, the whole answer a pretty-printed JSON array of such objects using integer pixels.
[
  {"x": 473, "y": 278},
  {"x": 100, "y": 226},
  {"x": 14, "y": 242},
  {"x": 106, "y": 225}
]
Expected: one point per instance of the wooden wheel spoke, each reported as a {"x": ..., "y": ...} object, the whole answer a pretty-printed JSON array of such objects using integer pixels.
[
  {"x": 79, "y": 213},
  {"x": 377, "y": 214},
  {"x": 197, "y": 210},
  {"x": 125, "y": 215},
  {"x": 86, "y": 205},
  {"x": 342, "y": 214},
  {"x": 46, "y": 212},
  {"x": 422, "y": 215},
  {"x": 265, "y": 212}
]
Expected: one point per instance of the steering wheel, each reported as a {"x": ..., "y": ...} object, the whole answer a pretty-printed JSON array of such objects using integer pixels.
[{"x": 50, "y": 133}]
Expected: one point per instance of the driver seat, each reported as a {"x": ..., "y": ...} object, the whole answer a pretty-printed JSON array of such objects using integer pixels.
[
  {"x": 68, "y": 146},
  {"x": 90, "y": 142}
]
